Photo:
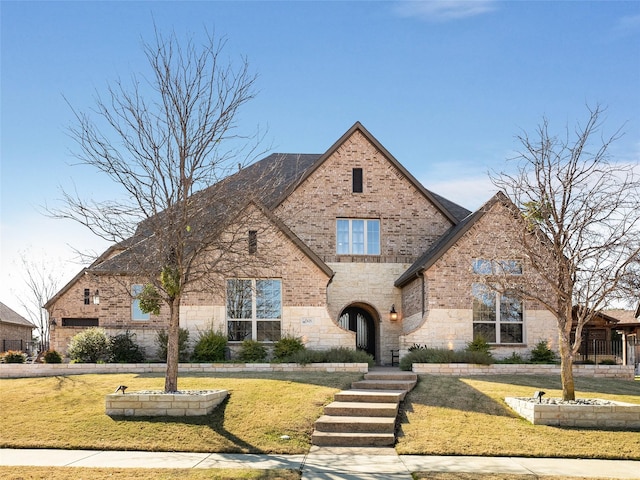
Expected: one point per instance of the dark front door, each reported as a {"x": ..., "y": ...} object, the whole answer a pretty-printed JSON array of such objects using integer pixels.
[{"x": 360, "y": 321}]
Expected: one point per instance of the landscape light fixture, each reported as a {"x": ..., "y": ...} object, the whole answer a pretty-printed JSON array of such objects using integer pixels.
[
  {"x": 393, "y": 315},
  {"x": 121, "y": 388},
  {"x": 538, "y": 395}
]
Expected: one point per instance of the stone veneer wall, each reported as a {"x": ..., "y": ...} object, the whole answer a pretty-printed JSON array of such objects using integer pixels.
[
  {"x": 182, "y": 404},
  {"x": 618, "y": 415},
  {"x": 16, "y": 370},
  {"x": 624, "y": 372}
]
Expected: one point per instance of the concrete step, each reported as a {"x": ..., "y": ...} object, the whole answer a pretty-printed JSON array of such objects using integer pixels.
[
  {"x": 335, "y": 439},
  {"x": 405, "y": 385},
  {"x": 329, "y": 423},
  {"x": 391, "y": 375},
  {"x": 361, "y": 409},
  {"x": 373, "y": 396}
]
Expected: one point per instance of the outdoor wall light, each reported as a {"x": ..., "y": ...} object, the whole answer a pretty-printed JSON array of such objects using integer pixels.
[
  {"x": 53, "y": 322},
  {"x": 393, "y": 315},
  {"x": 96, "y": 298}
]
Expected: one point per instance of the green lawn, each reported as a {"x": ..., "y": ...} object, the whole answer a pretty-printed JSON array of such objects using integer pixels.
[
  {"x": 68, "y": 412},
  {"x": 467, "y": 416},
  {"x": 442, "y": 415}
]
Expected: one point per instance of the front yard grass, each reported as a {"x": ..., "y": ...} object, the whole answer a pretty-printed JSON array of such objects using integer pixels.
[
  {"x": 442, "y": 415},
  {"x": 468, "y": 416},
  {"x": 69, "y": 412}
]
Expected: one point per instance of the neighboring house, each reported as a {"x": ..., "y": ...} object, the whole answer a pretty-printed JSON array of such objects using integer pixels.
[
  {"x": 15, "y": 331},
  {"x": 626, "y": 327},
  {"x": 367, "y": 258}
]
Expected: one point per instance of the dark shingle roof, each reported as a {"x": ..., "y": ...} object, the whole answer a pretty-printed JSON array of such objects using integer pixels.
[{"x": 9, "y": 316}]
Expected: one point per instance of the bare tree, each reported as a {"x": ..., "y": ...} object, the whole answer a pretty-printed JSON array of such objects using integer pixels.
[
  {"x": 169, "y": 140},
  {"x": 581, "y": 228},
  {"x": 42, "y": 283}
]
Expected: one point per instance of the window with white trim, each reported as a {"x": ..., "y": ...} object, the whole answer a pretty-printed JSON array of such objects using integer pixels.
[
  {"x": 136, "y": 313},
  {"x": 357, "y": 237},
  {"x": 497, "y": 317},
  {"x": 254, "y": 309}
]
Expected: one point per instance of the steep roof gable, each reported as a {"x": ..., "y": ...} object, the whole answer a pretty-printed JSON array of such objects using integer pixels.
[
  {"x": 449, "y": 209},
  {"x": 449, "y": 239}
]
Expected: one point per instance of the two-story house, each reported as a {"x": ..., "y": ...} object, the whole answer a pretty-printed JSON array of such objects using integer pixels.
[{"x": 367, "y": 258}]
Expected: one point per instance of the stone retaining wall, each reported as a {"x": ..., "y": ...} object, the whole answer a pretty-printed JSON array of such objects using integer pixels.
[
  {"x": 623, "y": 372},
  {"x": 17, "y": 370},
  {"x": 619, "y": 415},
  {"x": 163, "y": 404}
]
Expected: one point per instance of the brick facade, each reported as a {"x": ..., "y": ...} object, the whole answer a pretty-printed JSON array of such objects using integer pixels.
[{"x": 317, "y": 283}]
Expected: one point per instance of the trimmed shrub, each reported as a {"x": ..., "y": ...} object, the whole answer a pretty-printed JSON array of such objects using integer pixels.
[
  {"x": 252, "y": 351},
  {"x": 607, "y": 361},
  {"x": 124, "y": 349},
  {"x": 334, "y": 355},
  {"x": 90, "y": 346},
  {"x": 14, "y": 356},
  {"x": 480, "y": 345},
  {"x": 513, "y": 359},
  {"x": 162, "y": 338},
  {"x": 51, "y": 356},
  {"x": 287, "y": 346},
  {"x": 210, "y": 347},
  {"x": 541, "y": 353},
  {"x": 442, "y": 355}
]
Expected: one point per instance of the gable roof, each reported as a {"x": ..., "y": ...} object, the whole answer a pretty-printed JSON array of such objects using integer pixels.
[
  {"x": 8, "y": 315},
  {"x": 449, "y": 239},
  {"x": 449, "y": 209}
]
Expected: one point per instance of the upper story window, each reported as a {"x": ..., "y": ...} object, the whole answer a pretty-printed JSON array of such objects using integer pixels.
[
  {"x": 254, "y": 309},
  {"x": 357, "y": 237},
  {"x": 482, "y": 266},
  {"x": 357, "y": 180},
  {"x": 87, "y": 296},
  {"x": 253, "y": 241},
  {"x": 136, "y": 313}
]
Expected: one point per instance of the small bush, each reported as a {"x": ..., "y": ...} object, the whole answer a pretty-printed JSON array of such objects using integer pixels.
[
  {"x": 513, "y": 359},
  {"x": 480, "y": 345},
  {"x": 417, "y": 346},
  {"x": 51, "y": 356},
  {"x": 252, "y": 351},
  {"x": 441, "y": 355},
  {"x": 162, "y": 339},
  {"x": 287, "y": 346},
  {"x": 124, "y": 349},
  {"x": 90, "y": 346},
  {"x": 210, "y": 347},
  {"x": 541, "y": 353},
  {"x": 607, "y": 361},
  {"x": 14, "y": 356},
  {"x": 334, "y": 355}
]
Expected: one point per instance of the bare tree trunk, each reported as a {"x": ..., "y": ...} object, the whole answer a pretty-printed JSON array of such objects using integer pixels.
[
  {"x": 173, "y": 353},
  {"x": 566, "y": 368}
]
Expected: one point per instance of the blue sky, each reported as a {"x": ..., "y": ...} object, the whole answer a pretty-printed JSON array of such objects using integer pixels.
[{"x": 444, "y": 86}]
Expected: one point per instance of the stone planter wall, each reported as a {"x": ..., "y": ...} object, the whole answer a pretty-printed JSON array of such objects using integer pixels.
[
  {"x": 17, "y": 370},
  {"x": 620, "y": 415},
  {"x": 163, "y": 404},
  {"x": 623, "y": 372}
]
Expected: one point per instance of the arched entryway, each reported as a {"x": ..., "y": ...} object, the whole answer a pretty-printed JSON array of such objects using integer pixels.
[{"x": 361, "y": 320}]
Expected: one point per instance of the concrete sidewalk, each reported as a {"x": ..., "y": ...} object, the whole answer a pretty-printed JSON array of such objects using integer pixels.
[{"x": 328, "y": 463}]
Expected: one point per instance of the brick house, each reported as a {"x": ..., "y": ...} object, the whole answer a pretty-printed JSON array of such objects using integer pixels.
[
  {"x": 16, "y": 332},
  {"x": 367, "y": 258}
]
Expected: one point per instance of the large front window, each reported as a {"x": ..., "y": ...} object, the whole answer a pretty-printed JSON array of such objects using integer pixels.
[
  {"x": 357, "y": 237},
  {"x": 254, "y": 309},
  {"x": 498, "y": 318}
]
